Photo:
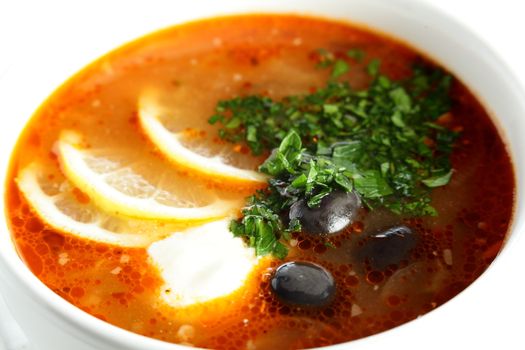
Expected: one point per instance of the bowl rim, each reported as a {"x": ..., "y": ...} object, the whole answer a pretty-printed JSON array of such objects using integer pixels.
[{"x": 86, "y": 326}]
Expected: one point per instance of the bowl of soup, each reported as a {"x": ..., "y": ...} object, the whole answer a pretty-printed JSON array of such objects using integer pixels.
[{"x": 264, "y": 176}]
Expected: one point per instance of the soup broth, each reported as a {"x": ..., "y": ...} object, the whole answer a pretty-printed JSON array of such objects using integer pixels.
[{"x": 192, "y": 67}]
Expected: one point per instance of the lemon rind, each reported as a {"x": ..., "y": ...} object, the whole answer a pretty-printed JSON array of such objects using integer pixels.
[
  {"x": 168, "y": 144},
  {"x": 44, "y": 207},
  {"x": 113, "y": 201}
]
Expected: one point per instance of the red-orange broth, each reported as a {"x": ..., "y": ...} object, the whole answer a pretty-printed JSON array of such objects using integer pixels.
[{"x": 272, "y": 55}]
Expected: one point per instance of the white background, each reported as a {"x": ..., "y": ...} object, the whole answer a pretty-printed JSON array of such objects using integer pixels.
[{"x": 25, "y": 25}]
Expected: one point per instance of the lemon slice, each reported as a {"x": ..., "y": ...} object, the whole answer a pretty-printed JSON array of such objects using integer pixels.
[
  {"x": 142, "y": 190},
  {"x": 65, "y": 208},
  {"x": 188, "y": 148}
]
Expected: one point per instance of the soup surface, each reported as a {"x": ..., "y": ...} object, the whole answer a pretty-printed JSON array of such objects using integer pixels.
[{"x": 188, "y": 69}]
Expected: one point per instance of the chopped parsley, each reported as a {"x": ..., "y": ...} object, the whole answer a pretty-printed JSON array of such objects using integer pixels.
[
  {"x": 340, "y": 68},
  {"x": 382, "y": 142}
]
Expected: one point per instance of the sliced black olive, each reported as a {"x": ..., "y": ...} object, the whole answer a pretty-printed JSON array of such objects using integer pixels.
[
  {"x": 303, "y": 283},
  {"x": 336, "y": 211},
  {"x": 387, "y": 247}
]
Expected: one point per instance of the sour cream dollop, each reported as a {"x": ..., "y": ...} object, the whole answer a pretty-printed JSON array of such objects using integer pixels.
[{"x": 201, "y": 263}]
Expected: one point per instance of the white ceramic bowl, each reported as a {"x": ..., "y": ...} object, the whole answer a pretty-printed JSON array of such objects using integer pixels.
[{"x": 483, "y": 316}]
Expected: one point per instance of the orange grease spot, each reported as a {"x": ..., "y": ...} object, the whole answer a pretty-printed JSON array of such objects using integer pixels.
[
  {"x": 32, "y": 259},
  {"x": 80, "y": 196}
]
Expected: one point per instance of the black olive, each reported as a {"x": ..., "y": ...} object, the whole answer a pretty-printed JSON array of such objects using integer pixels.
[
  {"x": 336, "y": 211},
  {"x": 387, "y": 247},
  {"x": 303, "y": 283}
]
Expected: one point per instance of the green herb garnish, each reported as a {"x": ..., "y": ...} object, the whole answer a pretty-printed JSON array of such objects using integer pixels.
[
  {"x": 382, "y": 142},
  {"x": 356, "y": 54},
  {"x": 340, "y": 68}
]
